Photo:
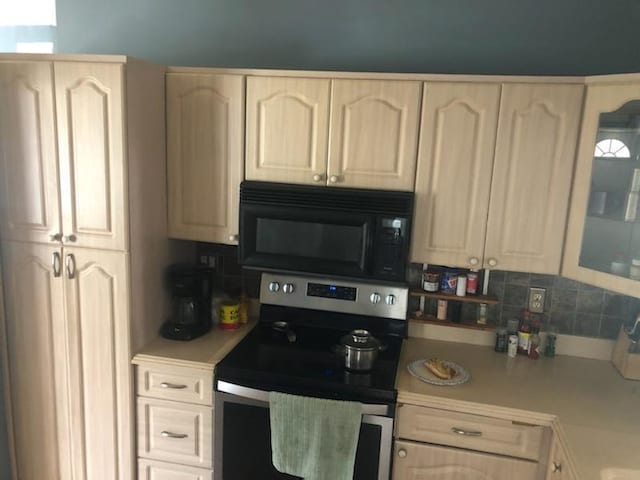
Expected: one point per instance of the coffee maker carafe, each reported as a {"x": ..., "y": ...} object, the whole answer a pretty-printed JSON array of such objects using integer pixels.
[{"x": 190, "y": 287}]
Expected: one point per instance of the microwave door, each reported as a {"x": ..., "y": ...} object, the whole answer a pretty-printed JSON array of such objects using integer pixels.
[{"x": 307, "y": 240}]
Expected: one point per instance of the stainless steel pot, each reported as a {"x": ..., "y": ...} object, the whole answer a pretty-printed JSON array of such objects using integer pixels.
[{"x": 360, "y": 350}]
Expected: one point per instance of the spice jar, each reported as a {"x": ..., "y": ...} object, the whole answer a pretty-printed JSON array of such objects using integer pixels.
[{"x": 431, "y": 281}]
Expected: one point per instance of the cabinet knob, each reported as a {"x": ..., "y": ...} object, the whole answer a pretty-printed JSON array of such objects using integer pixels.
[
  {"x": 334, "y": 179},
  {"x": 55, "y": 237},
  {"x": 70, "y": 238},
  {"x": 556, "y": 467},
  {"x": 317, "y": 177},
  {"x": 492, "y": 262},
  {"x": 474, "y": 261},
  {"x": 402, "y": 453},
  {"x": 233, "y": 238}
]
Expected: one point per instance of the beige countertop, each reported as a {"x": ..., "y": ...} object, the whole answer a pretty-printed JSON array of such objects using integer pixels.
[
  {"x": 203, "y": 352},
  {"x": 591, "y": 407}
]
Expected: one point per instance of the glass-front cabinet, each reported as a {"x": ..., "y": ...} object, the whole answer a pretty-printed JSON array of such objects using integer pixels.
[{"x": 603, "y": 236}]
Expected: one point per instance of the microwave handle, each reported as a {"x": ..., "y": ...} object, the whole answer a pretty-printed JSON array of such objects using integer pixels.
[{"x": 262, "y": 396}]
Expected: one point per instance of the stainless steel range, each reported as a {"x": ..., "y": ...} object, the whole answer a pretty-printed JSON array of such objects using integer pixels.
[{"x": 298, "y": 348}]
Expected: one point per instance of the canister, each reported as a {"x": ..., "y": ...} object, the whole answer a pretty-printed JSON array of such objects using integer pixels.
[
  {"x": 449, "y": 281},
  {"x": 229, "y": 315}
]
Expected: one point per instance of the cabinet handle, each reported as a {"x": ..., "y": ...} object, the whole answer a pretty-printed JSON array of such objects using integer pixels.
[
  {"x": 175, "y": 386},
  {"x": 474, "y": 261},
  {"x": 55, "y": 263},
  {"x": 166, "y": 434},
  {"x": 233, "y": 238},
  {"x": 334, "y": 179},
  {"x": 466, "y": 433},
  {"x": 556, "y": 467},
  {"x": 402, "y": 453},
  {"x": 55, "y": 237},
  {"x": 70, "y": 263},
  {"x": 317, "y": 177},
  {"x": 492, "y": 262},
  {"x": 70, "y": 238}
]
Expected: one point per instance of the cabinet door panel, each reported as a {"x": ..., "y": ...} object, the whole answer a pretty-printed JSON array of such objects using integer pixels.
[
  {"x": 287, "y": 129},
  {"x": 29, "y": 197},
  {"x": 97, "y": 301},
  {"x": 534, "y": 159},
  {"x": 374, "y": 133},
  {"x": 453, "y": 178},
  {"x": 37, "y": 361},
  {"x": 89, "y": 100},
  {"x": 421, "y": 461},
  {"x": 205, "y": 116}
]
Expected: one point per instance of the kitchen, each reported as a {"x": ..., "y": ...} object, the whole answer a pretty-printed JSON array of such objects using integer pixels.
[{"x": 505, "y": 284}]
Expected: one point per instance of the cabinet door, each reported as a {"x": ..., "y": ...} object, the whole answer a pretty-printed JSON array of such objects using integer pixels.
[
  {"x": 29, "y": 197},
  {"x": 287, "y": 128},
  {"x": 37, "y": 360},
  {"x": 603, "y": 234},
  {"x": 535, "y": 151},
  {"x": 89, "y": 102},
  {"x": 374, "y": 133},
  {"x": 453, "y": 179},
  {"x": 97, "y": 305},
  {"x": 422, "y": 461},
  {"x": 205, "y": 134}
]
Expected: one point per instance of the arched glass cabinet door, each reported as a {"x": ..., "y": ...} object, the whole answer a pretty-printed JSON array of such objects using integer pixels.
[{"x": 603, "y": 236}]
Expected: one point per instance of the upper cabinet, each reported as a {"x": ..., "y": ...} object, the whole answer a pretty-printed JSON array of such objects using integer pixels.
[
  {"x": 287, "y": 129},
  {"x": 535, "y": 154},
  {"x": 83, "y": 203},
  {"x": 344, "y": 133},
  {"x": 603, "y": 235},
  {"x": 374, "y": 133},
  {"x": 205, "y": 138},
  {"x": 493, "y": 185}
]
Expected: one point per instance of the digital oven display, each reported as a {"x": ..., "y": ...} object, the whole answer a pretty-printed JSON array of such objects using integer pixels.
[{"x": 331, "y": 291}]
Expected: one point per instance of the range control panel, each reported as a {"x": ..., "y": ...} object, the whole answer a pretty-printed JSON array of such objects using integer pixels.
[{"x": 332, "y": 295}]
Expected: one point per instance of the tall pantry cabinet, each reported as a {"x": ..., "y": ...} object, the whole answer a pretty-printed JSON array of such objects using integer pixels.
[{"x": 84, "y": 245}]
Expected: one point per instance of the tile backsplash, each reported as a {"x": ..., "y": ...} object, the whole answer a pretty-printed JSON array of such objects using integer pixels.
[{"x": 228, "y": 275}]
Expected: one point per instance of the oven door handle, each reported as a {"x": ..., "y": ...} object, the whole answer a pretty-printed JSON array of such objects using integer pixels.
[{"x": 262, "y": 396}]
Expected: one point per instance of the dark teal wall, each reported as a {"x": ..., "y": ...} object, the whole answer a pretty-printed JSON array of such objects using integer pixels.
[{"x": 474, "y": 36}]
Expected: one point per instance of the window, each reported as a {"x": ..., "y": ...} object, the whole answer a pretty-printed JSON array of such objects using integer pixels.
[
  {"x": 27, "y": 26},
  {"x": 611, "y": 147},
  {"x": 27, "y": 12}
]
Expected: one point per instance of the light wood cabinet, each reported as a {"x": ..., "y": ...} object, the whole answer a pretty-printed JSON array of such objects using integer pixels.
[
  {"x": 604, "y": 221},
  {"x": 287, "y": 129},
  {"x": 520, "y": 224},
  {"x": 453, "y": 179},
  {"x": 30, "y": 196},
  {"x": 205, "y": 150},
  {"x": 374, "y": 133},
  {"x": 415, "y": 461},
  {"x": 154, "y": 470},
  {"x": 535, "y": 154}
]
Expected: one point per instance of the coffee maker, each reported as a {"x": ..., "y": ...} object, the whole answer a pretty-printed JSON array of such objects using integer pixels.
[{"x": 190, "y": 287}]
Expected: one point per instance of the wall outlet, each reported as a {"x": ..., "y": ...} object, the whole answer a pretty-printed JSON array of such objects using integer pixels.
[{"x": 536, "y": 299}]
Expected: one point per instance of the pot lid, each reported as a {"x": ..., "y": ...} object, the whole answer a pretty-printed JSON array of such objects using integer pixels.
[{"x": 360, "y": 339}]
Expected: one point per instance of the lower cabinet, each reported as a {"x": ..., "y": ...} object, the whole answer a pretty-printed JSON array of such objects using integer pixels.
[
  {"x": 153, "y": 470},
  {"x": 420, "y": 461}
]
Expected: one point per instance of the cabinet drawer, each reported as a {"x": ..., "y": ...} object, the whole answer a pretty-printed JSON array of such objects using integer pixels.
[
  {"x": 175, "y": 383},
  {"x": 153, "y": 470},
  {"x": 469, "y": 431},
  {"x": 175, "y": 432},
  {"x": 415, "y": 461}
]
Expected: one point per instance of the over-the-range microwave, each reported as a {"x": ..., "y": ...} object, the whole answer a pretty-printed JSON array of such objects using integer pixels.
[{"x": 338, "y": 231}]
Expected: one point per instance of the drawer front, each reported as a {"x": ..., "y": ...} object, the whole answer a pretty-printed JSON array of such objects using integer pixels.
[
  {"x": 153, "y": 470},
  {"x": 415, "y": 461},
  {"x": 175, "y": 432},
  {"x": 175, "y": 383},
  {"x": 469, "y": 431}
]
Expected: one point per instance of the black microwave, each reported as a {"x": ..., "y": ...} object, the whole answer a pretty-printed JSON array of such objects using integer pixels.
[{"x": 337, "y": 231}]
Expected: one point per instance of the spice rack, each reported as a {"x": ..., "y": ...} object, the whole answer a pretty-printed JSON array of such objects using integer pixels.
[
  {"x": 431, "y": 320},
  {"x": 487, "y": 299}
]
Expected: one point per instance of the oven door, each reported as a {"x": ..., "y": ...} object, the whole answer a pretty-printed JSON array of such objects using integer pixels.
[
  {"x": 242, "y": 444},
  {"x": 306, "y": 239}
]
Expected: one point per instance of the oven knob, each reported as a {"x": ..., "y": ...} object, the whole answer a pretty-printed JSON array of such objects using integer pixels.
[
  {"x": 375, "y": 298},
  {"x": 288, "y": 288},
  {"x": 390, "y": 300},
  {"x": 274, "y": 287}
]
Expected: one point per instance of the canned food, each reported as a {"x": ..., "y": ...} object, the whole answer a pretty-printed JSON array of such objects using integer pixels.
[
  {"x": 472, "y": 283},
  {"x": 431, "y": 281},
  {"x": 229, "y": 315},
  {"x": 449, "y": 281}
]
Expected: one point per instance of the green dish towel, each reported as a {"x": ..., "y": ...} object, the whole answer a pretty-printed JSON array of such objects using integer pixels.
[{"x": 314, "y": 438}]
